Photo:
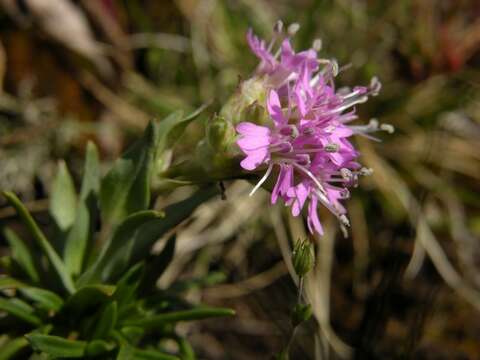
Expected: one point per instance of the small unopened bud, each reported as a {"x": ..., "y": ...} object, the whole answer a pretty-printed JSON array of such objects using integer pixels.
[
  {"x": 293, "y": 29},
  {"x": 301, "y": 313},
  {"x": 303, "y": 257},
  {"x": 220, "y": 133}
]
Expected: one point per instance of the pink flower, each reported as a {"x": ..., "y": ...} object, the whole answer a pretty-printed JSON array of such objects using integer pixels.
[{"x": 308, "y": 137}]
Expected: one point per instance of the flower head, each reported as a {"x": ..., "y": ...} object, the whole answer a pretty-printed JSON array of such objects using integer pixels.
[{"x": 306, "y": 141}]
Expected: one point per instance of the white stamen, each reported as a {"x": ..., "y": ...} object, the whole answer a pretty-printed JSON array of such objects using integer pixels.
[
  {"x": 262, "y": 180},
  {"x": 311, "y": 176}
]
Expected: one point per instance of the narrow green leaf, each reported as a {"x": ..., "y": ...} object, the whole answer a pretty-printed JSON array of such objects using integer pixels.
[
  {"x": 184, "y": 315},
  {"x": 116, "y": 252},
  {"x": 128, "y": 284},
  {"x": 98, "y": 347},
  {"x": 63, "y": 198},
  {"x": 21, "y": 254},
  {"x": 57, "y": 346},
  {"x": 128, "y": 352},
  {"x": 79, "y": 236},
  {"x": 174, "y": 215},
  {"x": 77, "y": 240},
  {"x": 91, "y": 172},
  {"x": 106, "y": 322},
  {"x": 41, "y": 240},
  {"x": 88, "y": 296},
  {"x": 186, "y": 350},
  {"x": 20, "y": 310},
  {"x": 132, "y": 334},
  {"x": 12, "y": 347},
  {"x": 125, "y": 352},
  {"x": 126, "y": 187},
  {"x": 46, "y": 300},
  {"x": 152, "y": 355}
]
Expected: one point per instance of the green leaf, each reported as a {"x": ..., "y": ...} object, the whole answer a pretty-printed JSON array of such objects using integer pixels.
[
  {"x": 91, "y": 172},
  {"x": 152, "y": 355},
  {"x": 128, "y": 352},
  {"x": 21, "y": 254},
  {"x": 45, "y": 299},
  {"x": 79, "y": 236},
  {"x": 12, "y": 347},
  {"x": 132, "y": 334},
  {"x": 57, "y": 346},
  {"x": 186, "y": 350},
  {"x": 116, "y": 253},
  {"x": 63, "y": 198},
  {"x": 77, "y": 240},
  {"x": 128, "y": 284},
  {"x": 87, "y": 297},
  {"x": 41, "y": 240},
  {"x": 126, "y": 187},
  {"x": 106, "y": 322},
  {"x": 183, "y": 315},
  {"x": 174, "y": 215},
  {"x": 98, "y": 347},
  {"x": 20, "y": 310}
]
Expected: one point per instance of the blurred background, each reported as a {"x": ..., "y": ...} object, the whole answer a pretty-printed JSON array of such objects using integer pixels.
[{"x": 404, "y": 284}]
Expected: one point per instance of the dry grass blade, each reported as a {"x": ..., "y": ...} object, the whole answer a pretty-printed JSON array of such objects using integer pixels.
[{"x": 390, "y": 182}]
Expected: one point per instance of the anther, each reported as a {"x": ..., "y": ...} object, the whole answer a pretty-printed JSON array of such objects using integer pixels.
[
  {"x": 344, "y": 220},
  {"x": 293, "y": 29},
  {"x": 375, "y": 86},
  {"x": 278, "y": 27},
  {"x": 317, "y": 45},
  {"x": 388, "y": 128},
  {"x": 365, "y": 171},
  {"x": 332, "y": 147}
]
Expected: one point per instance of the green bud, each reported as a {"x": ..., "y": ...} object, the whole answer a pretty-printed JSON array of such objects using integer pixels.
[
  {"x": 301, "y": 313},
  {"x": 220, "y": 134},
  {"x": 303, "y": 257},
  {"x": 246, "y": 103}
]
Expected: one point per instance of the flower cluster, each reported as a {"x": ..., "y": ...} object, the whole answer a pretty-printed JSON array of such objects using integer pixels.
[{"x": 307, "y": 139}]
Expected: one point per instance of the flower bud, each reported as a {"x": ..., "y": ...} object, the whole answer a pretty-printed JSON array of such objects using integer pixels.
[
  {"x": 303, "y": 257},
  {"x": 220, "y": 133},
  {"x": 301, "y": 313},
  {"x": 243, "y": 104}
]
